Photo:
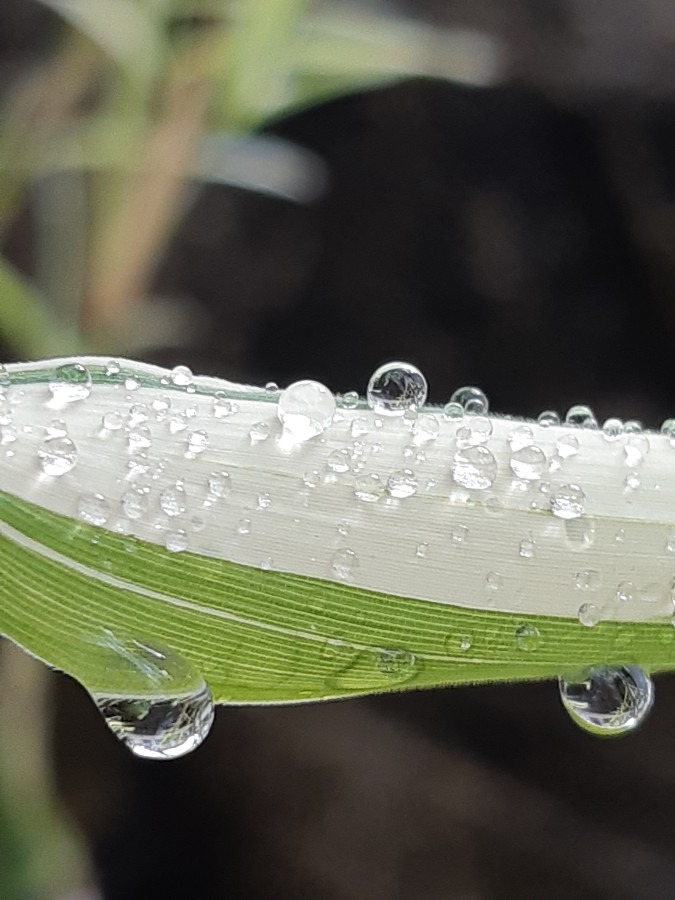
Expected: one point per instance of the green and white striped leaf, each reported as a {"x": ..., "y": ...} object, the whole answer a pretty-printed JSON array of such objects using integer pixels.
[{"x": 278, "y": 582}]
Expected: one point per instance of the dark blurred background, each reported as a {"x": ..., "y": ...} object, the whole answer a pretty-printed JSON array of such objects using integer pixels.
[{"x": 275, "y": 190}]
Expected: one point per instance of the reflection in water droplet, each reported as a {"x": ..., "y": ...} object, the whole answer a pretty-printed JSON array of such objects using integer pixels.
[
  {"x": 395, "y": 388},
  {"x": 474, "y": 468},
  {"x": 305, "y": 409},
  {"x": 166, "y": 710},
  {"x": 57, "y": 456},
  {"x": 608, "y": 701},
  {"x": 71, "y": 382}
]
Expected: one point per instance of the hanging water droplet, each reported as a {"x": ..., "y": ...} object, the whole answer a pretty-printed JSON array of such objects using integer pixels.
[
  {"x": 582, "y": 416},
  {"x": 612, "y": 429},
  {"x": 369, "y": 487},
  {"x": 402, "y": 484},
  {"x": 608, "y": 701},
  {"x": 527, "y": 638},
  {"x": 181, "y": 376},
  {"x": 71, "y": 382},
  {"x": 528, "y": 463},
  {"x": 548, "y": 418},
  {"x": 589, "y": 614},
  {"x": 568, "y": 502},
  {"x": 172, "y": 500},
  {"x": 305, "y": 409},
  {"x": 344, "y": 564},
  {"x": 474, "y": 468},
  {"x": 259, "y": 432},
  {"x": 396, "y": 387},
  {"x": 472, "y": 400},
  {"x": 57, "y": 456},
  {"x": 93, "y": 509}
]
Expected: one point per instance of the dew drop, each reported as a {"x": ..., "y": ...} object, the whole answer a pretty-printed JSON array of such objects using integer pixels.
[
  {"x": 477, "y": 430},
  {"x": 526, "y": 548},
  {"x": 567, "y": 446},
  {"x": 172, "y": 500},
  {"x": 259, "y": 432},
  {"x": 176, "y": 541},
  {"x": 474, "y": 468},
  {"x": 635, "y": 449},
  {"x": 197, "y": 442},
  {"x": 339, "y": 461},
  {"x": 588, "y": 580},
  {"x": 632, "y": 426},
  {"x": 612, "y": 429},
  {"x": 113, "y": 368},
  {"x": 222, "y": 406},
  {"x": 528, "y": 463},
  {"x": 520, "y": 437},
  {"x": 139, "y": 438},
  {"x": 548, "y": 418},
  {"x": 582, "y": 416},
  {"x": 631, "y": 482},
  {"x": 5, "y": 379},
  {"x": 453, "y": 411},
  {"x": 425, "y": 428},
  {"x": 219, "y": 485},
  {"x": 135, "y": 503},
  {"x": 305, "y": 409},
  {"x": 421, "y": 550},
  {"x": 589, "y": 615},
  {"x": 71, "y": 382},
  {"x": 244, "y": 526},
  {"x": 396, "y": 387},
  {"x": 580, "y": 533},
  {"x": 359, "y": 427},
  {"x": 608, "y": 701},
  {"x": 350, "y": 400},
  {"x": 264, "y": 501},
  {"x": 312, "y": 479},
  {"x": 455, "y": 642},
  {"x": 459, "y": 534},
  {"x": 568, "y": 502},
  {"x": 527, "y": 638},
  {"x": 344, "y": 564},
  {"x": 402, "y": 484},
  {"x": 472, "y": 400},
  {"x": 369, "y": 488},
  {"x": 395, "y": 663},
  {"x": 494, "y": 581},
  {"x": 181, "y": 376},
  {"x": 131, "y": 384},
  {"x": 57, "y": 456},
  {"x": 93, "y": 509},
  {"x": 668, "y": 429}
]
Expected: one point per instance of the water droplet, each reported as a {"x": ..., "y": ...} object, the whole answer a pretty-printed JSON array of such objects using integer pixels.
[
  {"x": 635, "y": 449},
  {"x": 421, "y": 550},
  {"x": 612, "y": 429},
  {"x": 312, "y": 479},
  {"x": 402, "y": 484},
  {"x": 219, "y": 485},
  {"x": 339, "y": 461},
  {"x": 8, "y": 434},
  {"x": 459, "y": 534},
  {"x": 259, "y": 432},
  {"x": 548, "y": 418},
  {"x": 670, "y": 543},
  {"x": 222, "y": 406},
  {"x": 625, "y": 592},
  {"x": 176, "y": 541},
  {"x": 197, "y": 442},
  {"x": 181, "y": 376},
  {"x": 5, "y": 379},
  {"x": 395, "y": 663},
  {"x": 608, "y": 701},
  {"x": 350, "y": 400},
  {"x": 172, "y": 500},
  {"x": 264, "y": 501},
  {"x": 526, "y": 548},
  {"x": 568, "y": 502},
  {"x": 494, "y": 581},
  {"x": 589, "y": 614},
  {"x": 71, "y": 382},
  {"x": 567, "y": 446},
  {"x": 588, "y": 580},
  {"x": 580, "y": 533},
  {"x": 477, "y": 430},
  {"x": 344, "y": 565},
  {"x": 131, "y": 384},
  {"x": 113, "y": 368},
  {"x": 244, "y": 526},
  {"x": 472, "y": 400},
  {"x": 631, "y": 482},
  {"x": 474, "y": 468},
  {"x": 632, "y": 426},
  {"x": 455, "y": 642},
  {"x": 425, "y": 428},
  {"x": 93, "y": 509},
  {"x": 305, "y": 409},
  {"x": 528, "y": 638},
  {"x": 57, "y": 456},
  {"x": 520, "y": 437},
  {"x": 494, "y": 506},
  {"x": 112, "y": 421},
  {"x": 369, "y": 488},
  {"x": 528, "y": 463},
  {"x": 135, "y": 503},
  {"x": 396, "y": 387},
  {"x": 139, "y": 438},
  {"x": 582, "y": 416},
  {"x": 668, "y": 428}
]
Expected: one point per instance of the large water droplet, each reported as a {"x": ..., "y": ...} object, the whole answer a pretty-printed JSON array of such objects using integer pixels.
[
  {"x": 71, "y": 382},
  {"x": 57, "y": 456},
  {"x": 396, "y": 387},
  {"x": 474, "y": 468},
  {"x": 608, "y": 701},
  {"x": 472, "y": 400},
  {"x": 181, "y": 376},
  {"x": 305, "y": 409}
]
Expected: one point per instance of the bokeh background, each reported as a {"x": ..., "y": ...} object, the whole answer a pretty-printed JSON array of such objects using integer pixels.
[{"x": 274, "y": 189}]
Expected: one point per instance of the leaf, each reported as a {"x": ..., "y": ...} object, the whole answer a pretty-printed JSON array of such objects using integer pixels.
[{"x": 447, "y": 586}]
